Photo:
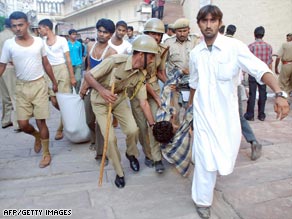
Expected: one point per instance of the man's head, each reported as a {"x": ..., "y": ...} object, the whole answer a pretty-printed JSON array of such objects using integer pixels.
[
  {"x": 154, "y": 27},
  {"x": 105, "y": 29},
  {"x": 209, "y": 20},
  {"x": 45, "y": 26},
  {"x": 289, "y": 37},
  {"x": 121, "y": 29},
  {"x": 144, "y": 50},
  {"x": 130, "y": 32},
  {"x": 170, "y": 30},
  {"x": 7, "y": 23},
  {"x": 163, "y": 132},
  {"x": 222, "y": 29},
  {"x": 19, "y": 23},
  {"x": 231, "y": 29},
  {"x": 72, "y": 33},
  {"x": 182, "y": 29},
  {"x": 259, "y": 32}
]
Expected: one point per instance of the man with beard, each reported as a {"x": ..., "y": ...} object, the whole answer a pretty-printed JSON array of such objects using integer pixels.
[
  {"x": 214, "y": 71},
  {"x": 179, "y": 50}
]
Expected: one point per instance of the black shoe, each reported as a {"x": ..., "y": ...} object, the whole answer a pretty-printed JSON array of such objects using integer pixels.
[
  {"x": 248, "y": 118},
  {"x": 262, "y": 118},
  {"x": 148, "y": 162},
  {"x": 134, "y": 163},
  {"x": 120, "y": 182},
  {"x": 256, "y": 150},
  {"x": 7, "y": 125},
  {"x": 159, "y": 168}
]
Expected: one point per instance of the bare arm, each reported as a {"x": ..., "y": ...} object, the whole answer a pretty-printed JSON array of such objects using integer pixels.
[
  {"x": 146, "y": 110},
  {"x": 107, "y": 95},
  {"x": 70, "y": 68},
  {"x": 281, "y": 106},
  {"x": 276, "y": 65},
  {"x": 49, "y": 71},
  {"x": 161, "y": 74},
  {"x": 191, "y": 97},
  {"x": 2, "y": 68},
  {"x": 152, "y": 93}
]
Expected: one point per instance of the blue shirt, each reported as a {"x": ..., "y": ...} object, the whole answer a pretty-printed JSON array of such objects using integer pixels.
[{"x": 75, "y": 52}]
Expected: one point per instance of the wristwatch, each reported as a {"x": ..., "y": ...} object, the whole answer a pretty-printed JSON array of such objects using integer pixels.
[{"x": 282, "y": 94}]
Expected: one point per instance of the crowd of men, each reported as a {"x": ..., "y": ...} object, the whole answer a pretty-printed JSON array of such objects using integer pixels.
[{"x": 128, "y": 75}]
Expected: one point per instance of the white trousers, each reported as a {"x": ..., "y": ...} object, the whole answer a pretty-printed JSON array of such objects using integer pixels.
[{"x": 203, "y": 185}]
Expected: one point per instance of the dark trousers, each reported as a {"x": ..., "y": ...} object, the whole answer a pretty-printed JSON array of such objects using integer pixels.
[
  {"x": 160, "y": 12},
  {"x": 253, "y": 85}
]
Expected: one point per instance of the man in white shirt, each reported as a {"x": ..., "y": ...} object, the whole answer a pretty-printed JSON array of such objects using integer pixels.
[
  {"x": 29, "y": 58},
  {"x": 214, "y": 70},
  {"x": 59, "y": 57},
  {"x": 117, "y": 41}
]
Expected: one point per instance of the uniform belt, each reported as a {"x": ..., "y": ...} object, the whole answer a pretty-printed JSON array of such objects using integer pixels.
[
  {"x": 151, "y": 80},
  {"x": 286, "y": 62}
]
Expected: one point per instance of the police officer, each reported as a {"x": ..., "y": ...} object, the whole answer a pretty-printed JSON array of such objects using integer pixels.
[
  {"x": 125, "y": 71},
  {"x": 154, "y": 27},
  {"x": 179, "y": 49}
]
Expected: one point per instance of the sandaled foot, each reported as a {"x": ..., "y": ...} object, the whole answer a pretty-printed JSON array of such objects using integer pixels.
[
  {"x": 204, "y": 212},
  {"x": 59, "y": 135},
  {"x": 37, "y": 145},
  {"x": 46, "y": 160}
]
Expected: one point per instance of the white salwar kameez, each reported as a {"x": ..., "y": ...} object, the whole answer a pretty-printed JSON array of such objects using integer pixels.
[{"x": 217, "y": 133}]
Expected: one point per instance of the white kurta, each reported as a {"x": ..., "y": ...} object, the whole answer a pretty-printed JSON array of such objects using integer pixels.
[{"x": 214, "y": 76}]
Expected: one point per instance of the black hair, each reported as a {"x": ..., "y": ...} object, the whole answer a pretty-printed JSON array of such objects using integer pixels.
[
  {"x": 231, "y": 29},
  {"x": 163, "y": 132},
  {"x": 222, "y": 29},
  {"x": 121, "y": 23},
  {"x": 130, "y": 28},
  {"x": 259, "y": 32},
  {"x": 210, "y": 9},
  {"x": 46, "y": 22},
  {"x": 107, "y": 24},
  {"x": 72, "y": 31},
  {"x": 16, "y": 15}
]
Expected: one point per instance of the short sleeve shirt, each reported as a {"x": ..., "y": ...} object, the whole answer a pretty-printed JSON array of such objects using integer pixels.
[
  {"x": 119, "y": 68},
  {"x": 56, "y": 52},
  {"x": 27, "y": 60}
]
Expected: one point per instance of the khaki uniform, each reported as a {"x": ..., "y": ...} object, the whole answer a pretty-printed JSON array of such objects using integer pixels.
[
  {"x": 120, "y": 68},
  {"x": 7, "y": 86},
  {"x": 150, "y": 146},
  {"x": 178, "y": 57},
  {"x": 285, "y": 77}
]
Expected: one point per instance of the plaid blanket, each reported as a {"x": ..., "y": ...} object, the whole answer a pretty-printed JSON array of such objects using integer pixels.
[{"x": 178, "y": 150}]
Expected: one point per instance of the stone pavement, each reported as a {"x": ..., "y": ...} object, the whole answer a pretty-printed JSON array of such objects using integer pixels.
[{"x": 259, "y": 189}]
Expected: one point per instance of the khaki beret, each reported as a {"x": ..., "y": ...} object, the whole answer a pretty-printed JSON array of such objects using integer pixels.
[{"x": 181, "y": 23}]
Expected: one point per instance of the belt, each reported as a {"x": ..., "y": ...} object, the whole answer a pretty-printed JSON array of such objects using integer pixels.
[{"x": 286, "y": 62}]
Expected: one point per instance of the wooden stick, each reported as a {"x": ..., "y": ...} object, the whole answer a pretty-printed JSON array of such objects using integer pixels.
[{"x": 112, "y": 83}]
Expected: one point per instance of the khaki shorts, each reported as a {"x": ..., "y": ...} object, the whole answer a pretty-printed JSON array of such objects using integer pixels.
[
  {"x": 32, "y": 99},
  {"x": 62, "y": 76}
]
